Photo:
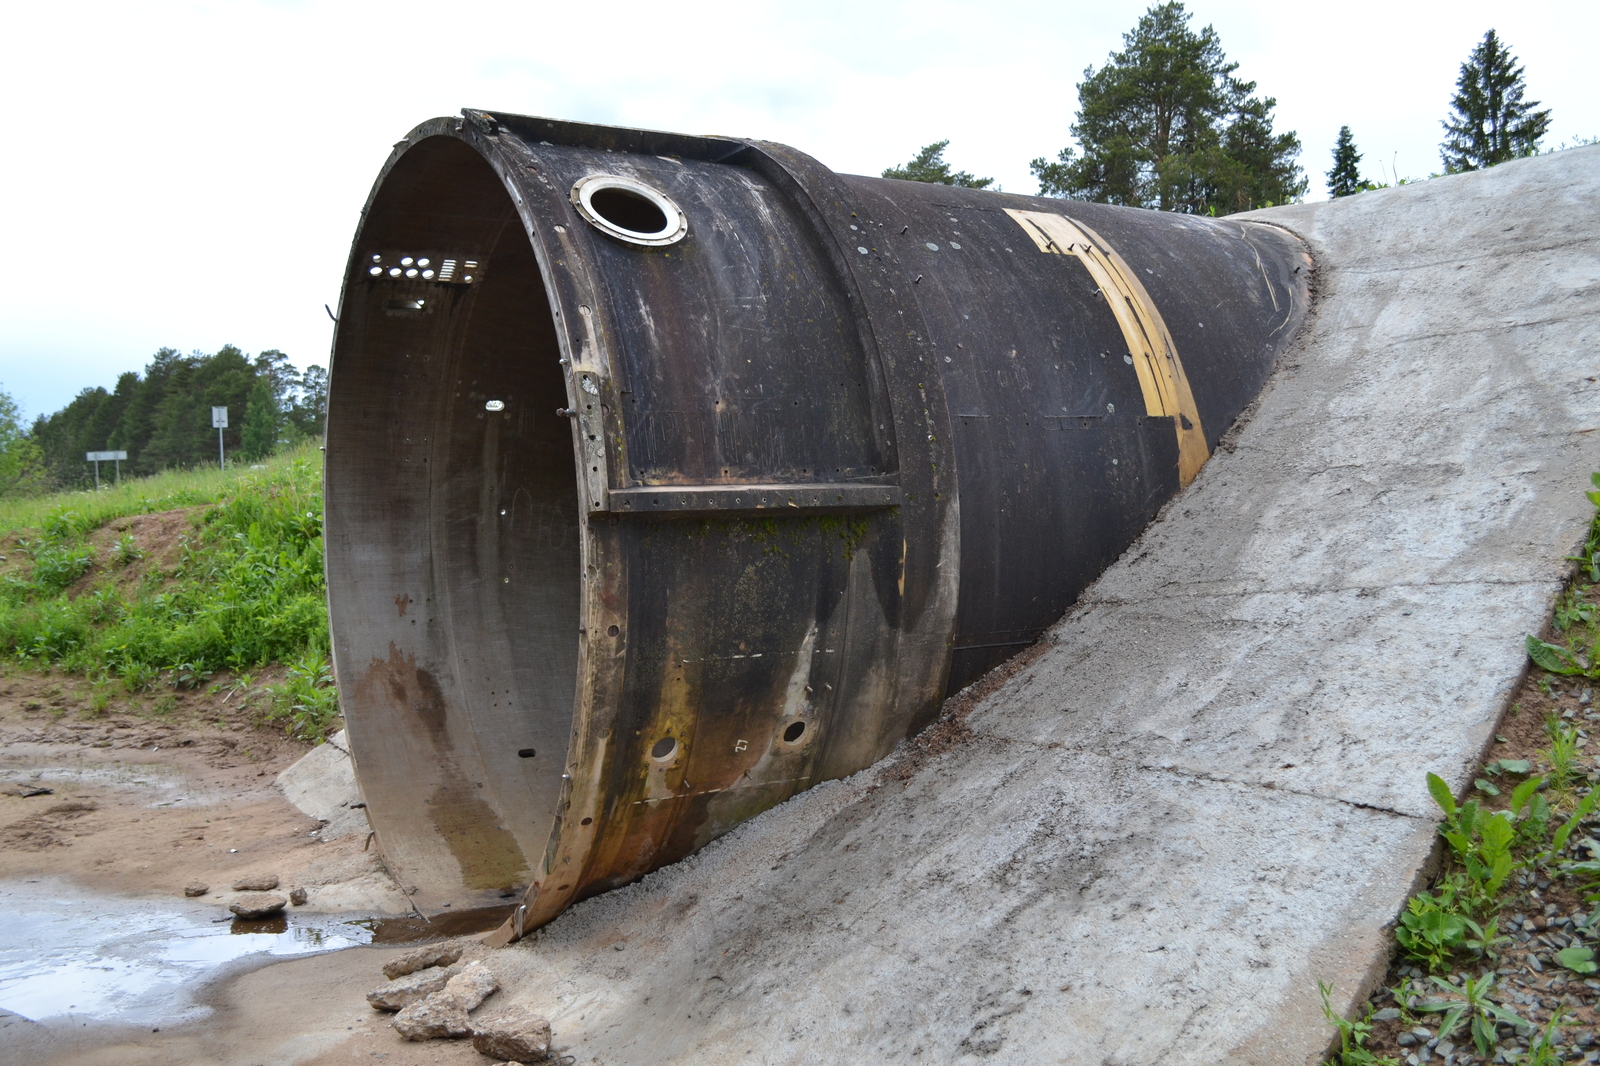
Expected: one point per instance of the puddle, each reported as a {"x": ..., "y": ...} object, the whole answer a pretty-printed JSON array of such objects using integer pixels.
[
  {"x": 167, "y": 786},
  {"x": 65, "y": 952}
]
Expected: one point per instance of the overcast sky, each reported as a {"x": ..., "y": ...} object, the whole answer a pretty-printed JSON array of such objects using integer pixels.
[{"x": 189, "y": 174}]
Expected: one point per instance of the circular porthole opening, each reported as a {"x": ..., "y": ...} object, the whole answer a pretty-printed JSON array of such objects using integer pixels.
[
  {"x": 795, "y": 731},
  {"x": 664, "y": 748},
  {"x": 629, "y": 210}
]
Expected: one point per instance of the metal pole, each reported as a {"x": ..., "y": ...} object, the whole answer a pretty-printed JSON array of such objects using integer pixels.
[
  {"x": 222, "y": 462},
  {"x": 119, "y": 471},
  {"x": 97, "y": 475}
]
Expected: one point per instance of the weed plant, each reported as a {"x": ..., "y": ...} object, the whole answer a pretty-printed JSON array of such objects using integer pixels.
[{"x": 246, "y": 589}]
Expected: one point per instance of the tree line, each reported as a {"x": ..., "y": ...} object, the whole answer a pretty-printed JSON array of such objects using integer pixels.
[
  {"x": 1166, "y": 124},
  {"x": 162, "y": 418}
]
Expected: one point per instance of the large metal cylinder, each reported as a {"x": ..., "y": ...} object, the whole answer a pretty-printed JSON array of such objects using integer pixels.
[{"x": 668, "y": 476}]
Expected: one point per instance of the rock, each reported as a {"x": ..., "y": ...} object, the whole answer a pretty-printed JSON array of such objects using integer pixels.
[
  {"x": 256, "y": 883},
  {"x": 514, "y": 1034},
  {"x": 298, "y": 897},
  {"x": 1387, "y": 1014},
  {"x": 196, "y": 890},
  {"x": 442, "y": 954},
  {"x": 474, "y": 984},
  {"x": 408, "y": 988},
  {"x": 432, "y": 1016},
  {"x": 1404, "y": 1039},
  {"x": 257, "y": 905}
]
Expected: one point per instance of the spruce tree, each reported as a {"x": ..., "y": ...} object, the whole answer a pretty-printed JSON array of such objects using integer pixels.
[
  {"x": 929, "y": 166},
  {"x": 1345, "y": 177},
  {"x": 1490, "y": 121}
]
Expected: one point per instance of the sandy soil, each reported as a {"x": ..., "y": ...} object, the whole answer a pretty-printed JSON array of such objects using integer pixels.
[{"x": 148, "y": 798}]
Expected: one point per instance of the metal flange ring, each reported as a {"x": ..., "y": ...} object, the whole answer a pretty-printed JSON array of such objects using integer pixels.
[{"x": 629, "y": 210}]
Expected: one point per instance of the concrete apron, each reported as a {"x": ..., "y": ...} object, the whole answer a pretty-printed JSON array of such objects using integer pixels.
[{"x": 1207, "y": 795}]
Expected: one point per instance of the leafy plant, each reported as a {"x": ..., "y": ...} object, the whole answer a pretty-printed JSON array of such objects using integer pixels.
[
  {"x": 127, "y": 552},
  {"x": 306, "y": 697},
  {"x": 1353, "y": 1035},
  {"x": 1563, "y": 750},
  {"x": 1572, "y": 609},
  {"x": 1543, "y": 1051},
  {"x": 1578, "y": 959},
  {"x": 1482, "y": 1015},
  {"x": 1434, "y": 927},
  {"x": 1481, "y": 841},
  {"x": 1559, "y": 660}
]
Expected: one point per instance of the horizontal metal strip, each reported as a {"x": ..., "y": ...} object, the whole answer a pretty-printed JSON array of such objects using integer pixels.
[{"x": 684, "y": 498}]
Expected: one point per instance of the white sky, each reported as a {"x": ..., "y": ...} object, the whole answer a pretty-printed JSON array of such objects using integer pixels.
[{"x": 189, "y": 174}]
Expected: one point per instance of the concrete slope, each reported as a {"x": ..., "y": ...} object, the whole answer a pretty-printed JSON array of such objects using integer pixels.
[{"x": 1206, "y": 794}]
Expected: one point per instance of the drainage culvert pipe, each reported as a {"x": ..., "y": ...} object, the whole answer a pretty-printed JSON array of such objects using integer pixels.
[{"x": 668, "y": 476}]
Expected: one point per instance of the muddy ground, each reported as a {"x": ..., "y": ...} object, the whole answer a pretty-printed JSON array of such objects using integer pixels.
[{"x": 161, "y": 792}]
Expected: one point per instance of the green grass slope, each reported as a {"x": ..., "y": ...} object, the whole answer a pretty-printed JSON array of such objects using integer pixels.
[{"x": 168, "y": 580}]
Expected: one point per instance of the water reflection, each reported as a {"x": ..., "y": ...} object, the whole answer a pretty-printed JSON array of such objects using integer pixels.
[{"x": 64, "y": 951}]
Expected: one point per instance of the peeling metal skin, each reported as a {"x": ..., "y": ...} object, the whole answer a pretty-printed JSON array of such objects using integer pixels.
[{"x": 629, "y": 540}]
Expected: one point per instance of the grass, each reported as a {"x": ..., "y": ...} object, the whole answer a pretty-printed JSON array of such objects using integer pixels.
[{"x": 241, "y": 587}]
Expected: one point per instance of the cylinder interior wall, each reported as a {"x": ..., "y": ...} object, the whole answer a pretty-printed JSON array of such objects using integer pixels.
[{"x": 455, "y": 575}]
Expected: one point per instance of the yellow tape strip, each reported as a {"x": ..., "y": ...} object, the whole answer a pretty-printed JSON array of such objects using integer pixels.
[{"x": 1155, "y": 356}]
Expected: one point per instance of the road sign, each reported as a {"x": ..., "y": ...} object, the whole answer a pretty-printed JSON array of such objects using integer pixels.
[
  {"x": 105, "y": 457},
  {"x": 219, "y": 418}
]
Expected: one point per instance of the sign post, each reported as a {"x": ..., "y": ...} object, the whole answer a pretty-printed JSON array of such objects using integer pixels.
[
  {"x": 105, "y": 457},
  {"x": 219, "y": 421}
]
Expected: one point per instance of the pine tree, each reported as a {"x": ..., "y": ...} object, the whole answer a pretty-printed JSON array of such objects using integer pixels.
[
  {"x": 929, "y": 166},
  {"x": 1165, "y": 124},
  {"x": 1491, "y": 122},
  {"x": 1345, "y": 177}
]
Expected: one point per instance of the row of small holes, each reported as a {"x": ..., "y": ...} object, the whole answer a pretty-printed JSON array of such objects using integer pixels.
[{"x": 412, "y": 268}]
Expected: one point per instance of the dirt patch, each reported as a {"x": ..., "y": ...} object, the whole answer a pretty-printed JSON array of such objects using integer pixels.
[{"x": 161, "y": 791}]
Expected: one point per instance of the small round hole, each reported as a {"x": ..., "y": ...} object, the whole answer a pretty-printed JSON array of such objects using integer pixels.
[
  {"x": 377, "y": 259},
  {"x": 411, "y": 273},
  {"x": 626, "y": 209},
  {"x": 664, "y": 748},
  {"x": 422, "y": 262},
  {"x": 613, "y": 631},
  {"x": 587, "y": 821},
  {"x": 394, "y": 272},
  {"x": 795, "y": 731},
  {"x": 526, "y": 753},
  {"x": 405, "y": 262},
  {"x": 427, "y": 273},
  {"x": 375, "y": 271}
]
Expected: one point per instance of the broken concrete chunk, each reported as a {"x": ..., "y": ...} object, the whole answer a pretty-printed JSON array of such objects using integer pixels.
[
  {"x": 196, "y": 889},
  {"x": 408, "y": 988},
  {"x": 512, "y": 1034},
  {"x": 256, "y": 883},
  {"x": 442, "y": 954},
  {"x": 298, "y": 897},
  {"x": 437, "y": 1015},
  {"x": 257, "y": 905},
  {"x": 474, "y": 984}
]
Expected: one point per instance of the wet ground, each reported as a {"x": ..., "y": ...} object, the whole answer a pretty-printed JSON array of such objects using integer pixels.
[
  {"x": 106, "y": 817},
  {"x": 67, "y": 955}
]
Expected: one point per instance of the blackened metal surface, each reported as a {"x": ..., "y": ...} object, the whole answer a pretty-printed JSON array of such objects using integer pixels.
[{"x": 628, "y": 543}]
